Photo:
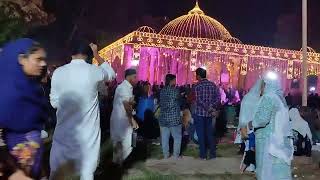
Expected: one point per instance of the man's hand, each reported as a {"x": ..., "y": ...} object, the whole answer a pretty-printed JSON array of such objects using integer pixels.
[
  {"x": 94, "y": 48},
  {"x": 96, "y": 55},
  {"x": 244, "y": 133},
  {"x": 132, "y": 101},
  {"x": 134, "y": 124},
  {"x": 128, "y": 107},
  {"x": 214, "y": 112}
]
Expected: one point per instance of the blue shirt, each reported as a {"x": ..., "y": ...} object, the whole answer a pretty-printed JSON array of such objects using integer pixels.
[{"x": 145, "y": 103}]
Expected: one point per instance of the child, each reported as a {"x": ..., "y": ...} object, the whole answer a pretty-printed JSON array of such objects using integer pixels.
[{"x": 249, "y": 160}]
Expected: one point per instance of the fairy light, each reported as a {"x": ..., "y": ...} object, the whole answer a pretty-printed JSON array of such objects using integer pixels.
[
  {"x": 199, "y": 34},
  {"x": 196, "y": 24}
]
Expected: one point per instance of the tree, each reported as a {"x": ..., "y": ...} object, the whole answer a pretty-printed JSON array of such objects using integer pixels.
[
  {"x": 10, "y": 28},
  {"x": 17, "y": 17}
]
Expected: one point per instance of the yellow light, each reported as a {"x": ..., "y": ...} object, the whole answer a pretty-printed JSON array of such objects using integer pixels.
[
  {"x": 196, "y": 24},
  {"x": 147, "y": 37}
]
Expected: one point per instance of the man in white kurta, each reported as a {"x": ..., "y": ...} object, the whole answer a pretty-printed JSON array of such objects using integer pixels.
[
  {"x": 74, "y": 93},
  {"x": 121, "y": 123}
]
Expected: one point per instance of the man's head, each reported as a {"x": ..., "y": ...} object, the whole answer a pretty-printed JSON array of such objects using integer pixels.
[
  {"x": 170, "y": 80},
  {"x": 131, "y": 76},
  {"x": 82, "y": 50},
  {"x": 201, "y": 74}
]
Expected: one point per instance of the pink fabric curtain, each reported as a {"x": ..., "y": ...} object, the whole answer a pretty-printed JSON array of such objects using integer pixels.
[{"x": 155, "y": 63}]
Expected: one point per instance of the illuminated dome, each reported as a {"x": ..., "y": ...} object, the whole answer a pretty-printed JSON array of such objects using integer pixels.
[
  {"x": 196, "y": 25},
  {"x": 146, "y": 29}
]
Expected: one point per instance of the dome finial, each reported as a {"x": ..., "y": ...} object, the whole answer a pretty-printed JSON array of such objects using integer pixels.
[
  {"x": 196, "y": 9},
  {"x": 197, "y": 4}
]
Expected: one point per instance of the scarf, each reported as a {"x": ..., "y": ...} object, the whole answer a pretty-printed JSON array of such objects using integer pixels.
[{"x": 22, "y": 104}]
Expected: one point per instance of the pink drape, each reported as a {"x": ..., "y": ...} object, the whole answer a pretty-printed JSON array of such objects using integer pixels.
[{"x": 155, "y": 63}]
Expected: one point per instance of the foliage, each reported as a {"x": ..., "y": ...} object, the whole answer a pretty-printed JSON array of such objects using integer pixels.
[{"x": 10, "y": 27}]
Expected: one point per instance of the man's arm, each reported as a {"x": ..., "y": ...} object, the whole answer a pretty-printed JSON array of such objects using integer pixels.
[
  {"x": 128, "y": 103},
  {"x": 54, "y": 98},
  {"x": 108, "y": 73},
  {"x": 128, "y": 106},
  {"x": 96, "y": 55}
]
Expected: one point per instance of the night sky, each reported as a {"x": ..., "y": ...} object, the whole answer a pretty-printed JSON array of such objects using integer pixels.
[{"x": 275, "y": 23}]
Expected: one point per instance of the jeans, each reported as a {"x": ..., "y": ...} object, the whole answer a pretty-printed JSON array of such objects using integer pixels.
[
  {"x": 205, "y": 128},
  {"x": 176, "y": 132}
]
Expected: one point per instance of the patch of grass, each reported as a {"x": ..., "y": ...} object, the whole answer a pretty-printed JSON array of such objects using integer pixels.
[
  {"x": 106, "y": 151},
  {"x": 149, "y": 175},
  {"x": 146, "y": 174},
  {"x": 191, "y": 151},
  {"x": 223, "y": 150},
  {"x": 155, "y": 152},
  {"x": 227, "y": 150},
  {"x": 226, "y": 176}
]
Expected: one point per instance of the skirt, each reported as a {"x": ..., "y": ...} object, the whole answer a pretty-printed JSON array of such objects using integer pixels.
[{"x": 27, "y": 150}]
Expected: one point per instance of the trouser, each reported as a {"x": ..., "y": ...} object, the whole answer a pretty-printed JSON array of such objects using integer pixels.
[
  {"x": 206, "y": 136},
  {"x": 176, "y": 132}
]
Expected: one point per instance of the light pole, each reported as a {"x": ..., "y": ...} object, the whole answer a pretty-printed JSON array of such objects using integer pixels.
[{"x": 304, "y": 51}]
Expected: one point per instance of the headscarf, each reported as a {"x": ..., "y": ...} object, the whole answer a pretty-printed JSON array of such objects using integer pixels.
[
  {"x": 249, "y": 103},
  {"x": 22, "y": 104},
  {"x": 273, "y": 86},
  {"x": 299, "y": 124}
]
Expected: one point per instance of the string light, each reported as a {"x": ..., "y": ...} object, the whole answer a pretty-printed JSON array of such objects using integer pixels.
[{"x": 201, "y": 34}]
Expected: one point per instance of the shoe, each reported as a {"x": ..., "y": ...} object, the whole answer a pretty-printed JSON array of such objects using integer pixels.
[{"x": 176, "y": 158}]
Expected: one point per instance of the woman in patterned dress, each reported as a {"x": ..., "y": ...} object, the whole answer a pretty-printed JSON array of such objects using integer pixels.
[
  {"x": 274, "y": 146},
  {"x": 23, "y": 109}
]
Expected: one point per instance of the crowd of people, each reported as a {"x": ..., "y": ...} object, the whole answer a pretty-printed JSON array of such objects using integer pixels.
[{"x": 80, "y": 98}]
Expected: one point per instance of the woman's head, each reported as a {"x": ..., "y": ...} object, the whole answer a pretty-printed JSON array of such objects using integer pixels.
[
  {"x": 33, "y": 61},
  {"x": 271, "y": 84},
  {"x": 146, "y": 88},
  {"x": 26, "y": 54}
]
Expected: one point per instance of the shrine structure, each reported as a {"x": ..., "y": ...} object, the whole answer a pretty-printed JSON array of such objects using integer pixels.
[{"x": 197, "y": 40}]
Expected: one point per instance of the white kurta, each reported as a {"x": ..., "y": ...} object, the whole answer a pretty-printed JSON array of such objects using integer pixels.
[
  {"x": 120, "y": 128},
  {"x": 74, "y": 93}
]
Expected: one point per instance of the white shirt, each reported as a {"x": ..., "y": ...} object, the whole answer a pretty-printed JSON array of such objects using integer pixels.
[
  {"x": 74, "y": 93},
  {"x": 120, "y": 128},
  {"x": 119, "y": 120}
]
